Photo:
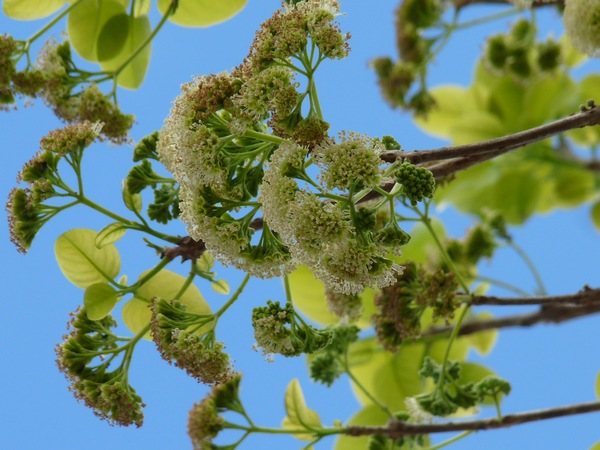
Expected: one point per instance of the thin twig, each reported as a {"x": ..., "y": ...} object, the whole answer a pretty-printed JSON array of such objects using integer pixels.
[{"x": 398, "y": 429}]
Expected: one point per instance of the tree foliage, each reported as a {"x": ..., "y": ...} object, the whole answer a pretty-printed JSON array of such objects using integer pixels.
[{"x": 246, "y": 162}]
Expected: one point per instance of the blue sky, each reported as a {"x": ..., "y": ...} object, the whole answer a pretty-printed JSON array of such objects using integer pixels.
[{"x": 548, "y": 365}]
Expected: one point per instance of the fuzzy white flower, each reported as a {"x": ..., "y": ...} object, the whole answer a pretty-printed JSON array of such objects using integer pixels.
[{"x": 582, "y": 23}]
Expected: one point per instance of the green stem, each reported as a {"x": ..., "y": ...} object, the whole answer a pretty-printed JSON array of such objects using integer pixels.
[
  {"x": 541, "y": 290},
  {"x": 452, "y": 440},
  {"x": 234, "y": 297},
  {"x": 503, "y": 285},
  {"x": 263, "y": 137},
  {"x": 165, "y": 17},
  {"x": 162, "y": 263},
  {"x": 451, "y": 340},
  {"x": 482, "y": 20},
  {"x": 186, "y": 284},
  {"x": 364, "y": 390},
  {"x": 50, "y": 24},
  {"x": 425, "y": 220}
]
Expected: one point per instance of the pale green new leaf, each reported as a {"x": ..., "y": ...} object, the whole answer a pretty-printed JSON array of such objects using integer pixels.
[
  {"x": 308, "y": 295},
  {"x": 205, "y": 262},
  {"x": 133, "y": 74},
  {"x": 141, "y": 8},
  {"x": 81, "y": 262},
  {"x": 220, "y": 287},
  {"x": 85, "y": 23},
  {"x": 112, "y": 37},
  {"x": 99, "y": 300},
  {"x": 133, "y": 202},
  {"x": 484, "y": 341},
  {"x": 110, "y": 234},
  {"x": 202, "y": 13},
  {"x": 165, "y": 284},
  {"x": 595, "y": 213},
  {"x": 31, "y": 9},
  {"x": 299, "y": 416}
]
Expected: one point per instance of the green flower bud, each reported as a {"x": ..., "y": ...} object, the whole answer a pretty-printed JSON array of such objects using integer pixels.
[{"x": 417, "y": 183}]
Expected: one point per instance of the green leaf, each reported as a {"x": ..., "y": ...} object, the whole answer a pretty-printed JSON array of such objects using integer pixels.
[
  {"x": 472, "y": 373},
  {"x": 202, "y": 13},
  {"x": 484, "y": 341},
  {"x": 133, "y": 202},
  {"x": 112, "y": 37},
  {"x": 590, "y": 89},
  {"x": 596, "y": 446},
  {"x": 31, "y": 9},
  {"x": 81, "y": 262},
  {"x": 99, "y": 300},
  {"x": 421, "y": 246},
  {"x": 451, "y": 102},
  {"x": 220, "y": 287},
  {"x": 308, "y": 294},
  {"x": 595, "y": 213},
  {"x": 165, "y": 284},
  {"x": 85, "y": 23},
  {"x": 299, "y": 416},
  {"x": 573, "y": 185},
  {"x": 370, "y": 415},
  {"x": 388, "y": 377},
  {"x": 132, "y": 75},
  {"x": 598, "y": 385},
  {"x": 570, "y": 56},
  {"x": 110, "y": 234},
  {"x": 205, "y": 263},
  {"x": 141, "y": 7}
]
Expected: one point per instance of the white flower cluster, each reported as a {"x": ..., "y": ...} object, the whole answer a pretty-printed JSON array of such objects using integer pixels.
[
  {"x": 320, "y": 232},
  {"x": 582, "y": 23}
]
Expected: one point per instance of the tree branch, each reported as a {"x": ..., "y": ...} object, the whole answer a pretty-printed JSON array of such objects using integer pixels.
[
  {"x": 459, "y": 4},
  {"x": 585, "y": 296},
  {"x": 546, "y": 314},
  {"x": 471, "y": 154},
  {"x": 397, "y": 429}
]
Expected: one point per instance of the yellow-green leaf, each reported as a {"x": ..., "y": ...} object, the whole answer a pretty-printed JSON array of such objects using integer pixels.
[
  {"x": 484, "y": 341},
  {"x": 165, "y": 284},
  {"x": 132, "y": 75},
  {"x": 595, "y": 213},
  {"x": 85, "y": 23},
  {"x": 99, "y": 300},
  {"x": 202, "y": 13},
  {"x": 220, "y": 287},
  {"x": 308, "y": 295},
  {"x": 370, "y": 415},
  {"x": 133, "y": 202},
  {"x": 81, "y": 262},
  {"x": 299, "y": 416},
  {"x": 596, "y": 446},
  {"x": 31, "y": 9},
  {"x": 598, "y": 385},
  {"x": 206, "y": 262},
  {"x": 112, "y": 37},
  {"x": 141, "y": 7},
  {"x": 110, "y": 234}
]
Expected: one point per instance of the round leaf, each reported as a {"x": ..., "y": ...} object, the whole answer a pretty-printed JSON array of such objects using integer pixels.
[
  {"x": 484, "y": 341},
  {"x": 31, "y": 9},
  {"x": 110, "y": 234},
  {"x": 202, "y": 13},
  {"x": 132, "y": 75},
  {"x": 299, "y": 416},
  {"x": 85, "y": 23},
  {"x": 99, "y": 300},
  {"x": 308, "y": 294},
  {"x": 81, "y": 262},
  {"x": 141, "y": 7},
  {"x": 112, "y": 37},
  {"x": 165, "y": 284}
]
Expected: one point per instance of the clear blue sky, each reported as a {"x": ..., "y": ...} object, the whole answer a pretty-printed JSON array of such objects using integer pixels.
[{"x": 548, "y": 366}]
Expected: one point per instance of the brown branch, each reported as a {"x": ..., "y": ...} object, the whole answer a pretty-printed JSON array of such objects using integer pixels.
[
  {"x": 397, "y": 429},
  {"x": 459, "y": 4},
  {"x": 585, "y": 296},
  {"x": 481, "y": 151},
  {"x": 546, "y": 314}
]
